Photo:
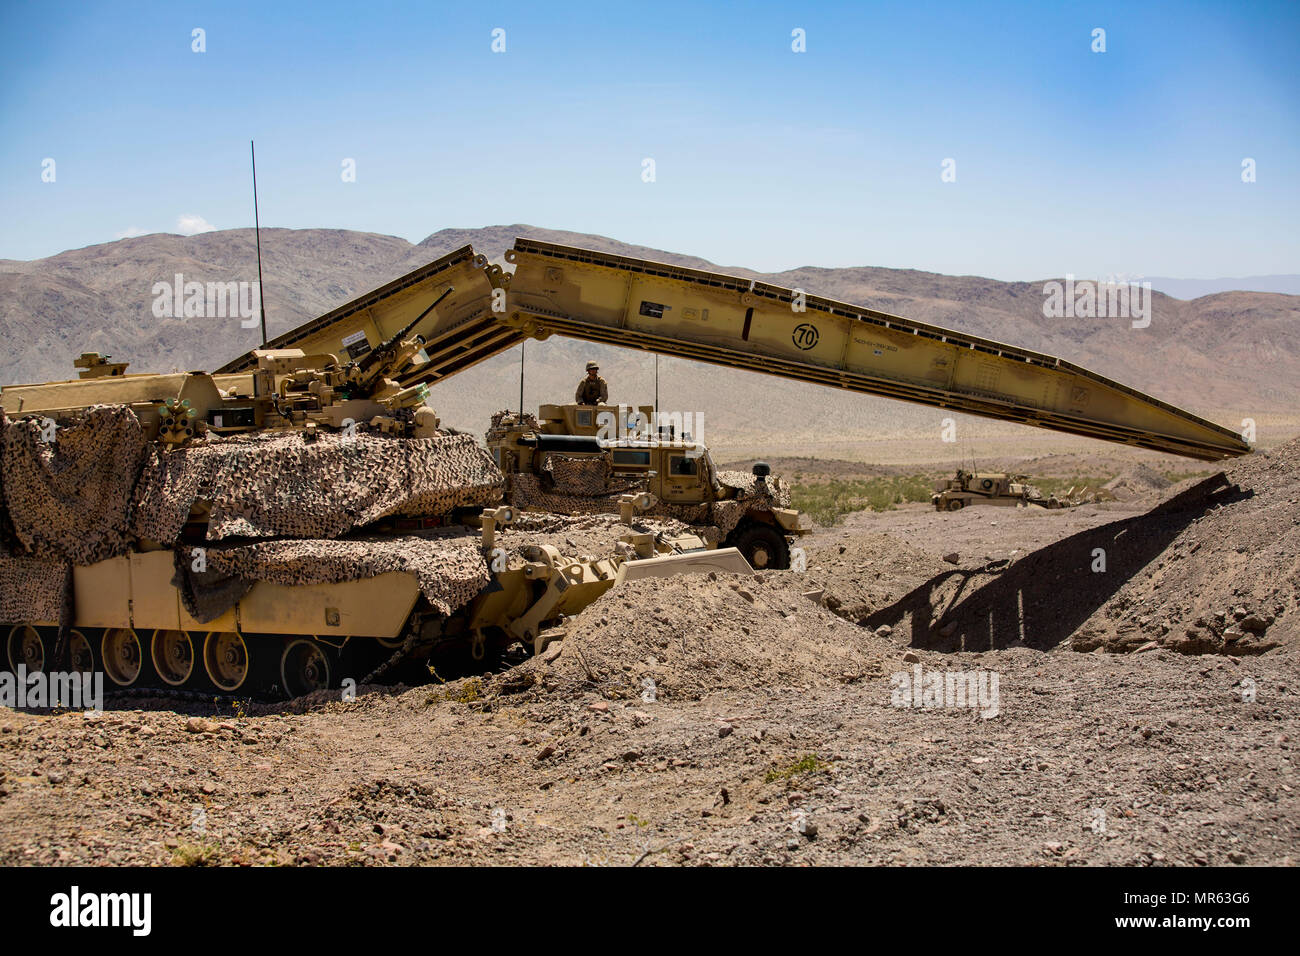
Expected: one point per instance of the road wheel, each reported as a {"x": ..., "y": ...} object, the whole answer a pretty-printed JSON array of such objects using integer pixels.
[
  {"x": 764, "y": 547},
  {"x": 304, "y": 668},
  {"x": 122, "y": 656},
  {"x": 226, "y": 659},
  {"x": 955, "y": 504},
  {"x": 82, "y": 657},
  {"x": 26, "y": 647},
  {"x": 172, "y": 654}
]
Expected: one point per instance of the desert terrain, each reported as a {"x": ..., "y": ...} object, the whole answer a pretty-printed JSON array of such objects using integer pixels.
[
  {"x": 1145, "y": 715},
  {"x": 1144, "y": 648}
]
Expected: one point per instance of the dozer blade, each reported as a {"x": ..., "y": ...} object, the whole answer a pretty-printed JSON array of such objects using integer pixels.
[
  {"x": 460, "y": 332},
  {"x": 725, "y": 320},
  {"x": 723, "y": 561}
]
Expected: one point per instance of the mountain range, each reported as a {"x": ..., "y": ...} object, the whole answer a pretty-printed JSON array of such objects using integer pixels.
[{"x": 1228, "y": 355}]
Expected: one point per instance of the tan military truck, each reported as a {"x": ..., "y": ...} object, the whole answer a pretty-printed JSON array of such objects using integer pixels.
[
  {"x": 988, "y": 488},
  {"x": 581, "y": 459}
]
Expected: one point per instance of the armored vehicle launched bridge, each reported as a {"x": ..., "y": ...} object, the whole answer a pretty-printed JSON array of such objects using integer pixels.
[
  {"x": 741, "y": 323},
  {"x": 177, "y": 527}
]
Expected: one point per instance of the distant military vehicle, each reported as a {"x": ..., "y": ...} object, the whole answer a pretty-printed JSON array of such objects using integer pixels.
[
  {"x": 579, "y": 459},
  {"x": 988, "y": 488}
]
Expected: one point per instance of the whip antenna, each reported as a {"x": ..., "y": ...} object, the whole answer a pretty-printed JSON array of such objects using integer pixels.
[
  {"x": 257, "y": 232},
  {"x": 656, "y": 422}
]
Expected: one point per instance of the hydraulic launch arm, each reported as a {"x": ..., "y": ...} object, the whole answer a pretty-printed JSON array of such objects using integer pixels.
[{"x": 458, "y": 331}]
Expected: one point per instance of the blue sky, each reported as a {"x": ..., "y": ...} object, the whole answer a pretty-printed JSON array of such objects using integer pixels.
[{"x": 1123, "y": 162}]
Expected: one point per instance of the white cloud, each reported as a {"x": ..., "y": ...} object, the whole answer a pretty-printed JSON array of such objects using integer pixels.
[
  {"x": 192, "y": 225},
  {"x": 131, "y": 233}
]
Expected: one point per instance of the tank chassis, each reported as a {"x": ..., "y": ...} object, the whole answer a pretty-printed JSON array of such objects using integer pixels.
[
  {"x": 318, "y": 599},
  {"x": 562, "y": 461}
]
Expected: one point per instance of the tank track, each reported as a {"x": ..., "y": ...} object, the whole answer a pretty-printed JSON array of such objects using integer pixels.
[{"x": 203, "y": 666}]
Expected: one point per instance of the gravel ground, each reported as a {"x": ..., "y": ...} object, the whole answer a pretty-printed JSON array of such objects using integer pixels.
[
  {"x": 721, "y": 720},
  {"x": 1092, "y": 759}
]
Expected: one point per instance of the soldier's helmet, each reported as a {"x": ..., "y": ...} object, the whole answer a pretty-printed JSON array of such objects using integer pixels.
[{"x": 592, "y": 365}]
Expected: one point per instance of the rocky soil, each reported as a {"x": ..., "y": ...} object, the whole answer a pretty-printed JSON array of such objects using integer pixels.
[{"x": 1146, "y": 714}]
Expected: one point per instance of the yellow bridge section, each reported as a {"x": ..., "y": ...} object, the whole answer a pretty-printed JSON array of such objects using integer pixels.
[
  {"x": 711, "y": 317},
  {"x": 739, "y": 323}
]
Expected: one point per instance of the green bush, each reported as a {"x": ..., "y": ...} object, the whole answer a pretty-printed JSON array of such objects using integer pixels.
[{"x": 829, "y": 501}]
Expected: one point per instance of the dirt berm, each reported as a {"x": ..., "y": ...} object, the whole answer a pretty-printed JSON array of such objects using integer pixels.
[
  {"x": 1212, "y": 565},
  {"x": 684, "y": 638},
  {"x": 1223, "y": 572}
]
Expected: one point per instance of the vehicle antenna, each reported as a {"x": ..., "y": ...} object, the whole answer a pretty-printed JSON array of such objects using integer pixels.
[
  {"x": 257, "y": 232},
  {"x": 656, "y": 421}
]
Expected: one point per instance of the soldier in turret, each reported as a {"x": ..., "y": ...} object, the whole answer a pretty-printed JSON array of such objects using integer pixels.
[{"x": 592, "y": 390}]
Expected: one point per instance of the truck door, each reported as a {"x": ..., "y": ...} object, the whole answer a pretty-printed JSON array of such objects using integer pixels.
[{"x": 681, "y": 478}]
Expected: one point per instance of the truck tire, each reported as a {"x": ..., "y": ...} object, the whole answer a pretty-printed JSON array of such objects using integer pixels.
[
  {"x": 955, "y": 504},
  {"x": 764, "y": 547}
]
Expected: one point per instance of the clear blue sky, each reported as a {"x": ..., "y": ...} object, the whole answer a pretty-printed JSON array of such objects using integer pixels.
[{"x": 1127, "y": 161}]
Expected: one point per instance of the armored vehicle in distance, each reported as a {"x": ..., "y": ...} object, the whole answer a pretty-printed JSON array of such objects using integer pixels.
[{"x": 988, "y": 488}]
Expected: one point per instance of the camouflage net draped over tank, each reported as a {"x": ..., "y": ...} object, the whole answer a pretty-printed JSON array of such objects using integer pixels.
[
  {"x": 6, "y": 525},
  {"x": 265, "y": 486},
  {"x": 32, "y": 590},
  {"x": 89, "y": 494},
  {"x": 69, "y": 498},
  {"x": 449, "y": 567}
]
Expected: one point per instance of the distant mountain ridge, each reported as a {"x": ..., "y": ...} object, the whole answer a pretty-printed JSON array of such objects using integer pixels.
[
  {"x": 1195, "y": 288},
  {"x": 1226, "y": 355}
]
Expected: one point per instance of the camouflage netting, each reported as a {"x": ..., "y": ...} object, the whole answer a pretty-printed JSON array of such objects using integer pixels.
[
  {"x": 526, "y": 492},
  {"x": 586, "y": 535},
  {"x": 750, "y": 493},
  {"x": 87, "y": 495},
  {"x": 285, "y": 486},
  {"x": 712, "y": 521},
  {"x": 7, "y": 541},
  {"x": 505, "y": 421},
  {"x": 449, "y": 567},
  {"x": 573, "y": 475},
  {"x": 32, "y": 589},
  {"x": 70, "y": 498},
  {"x": 772, "y": 491}
]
